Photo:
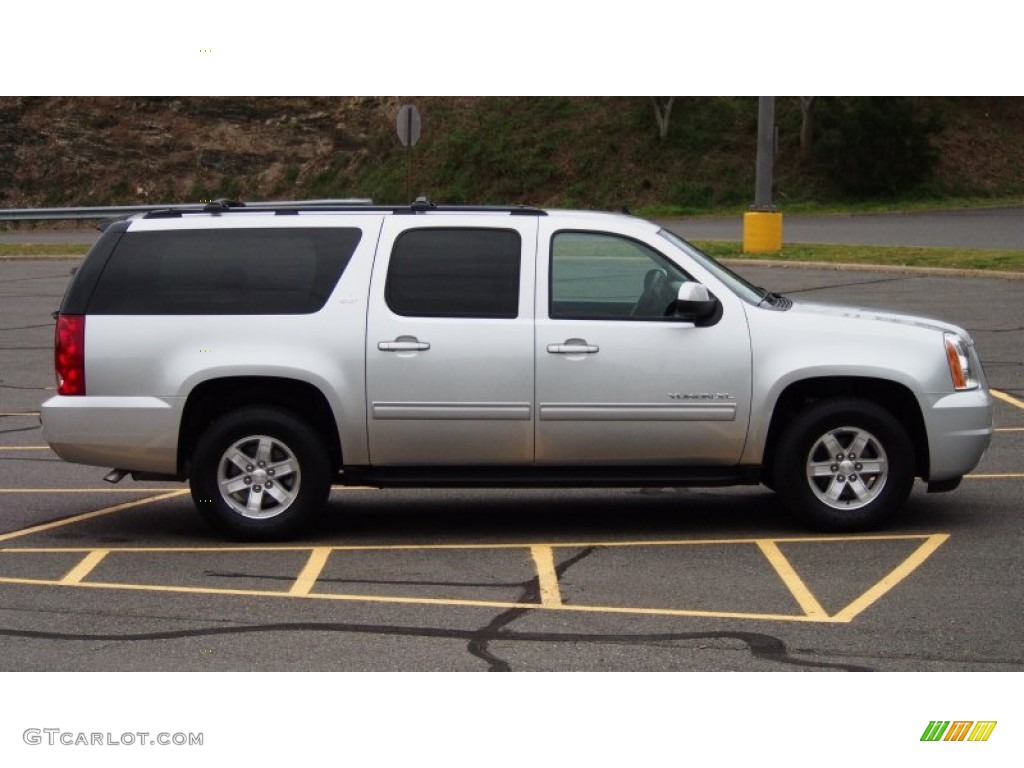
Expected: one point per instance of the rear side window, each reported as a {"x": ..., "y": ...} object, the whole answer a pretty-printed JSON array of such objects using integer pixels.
[
  {"x": 224, "y": 271},
  {"x": 455, "y": 273}
]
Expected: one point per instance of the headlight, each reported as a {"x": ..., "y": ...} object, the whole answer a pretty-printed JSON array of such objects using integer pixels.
[{"x": 959, "y": 362}]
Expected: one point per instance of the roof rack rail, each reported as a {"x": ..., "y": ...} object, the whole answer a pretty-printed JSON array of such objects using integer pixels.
[
  {"x": 224, "y": 205},
  {"x": 425, "y": 205},
  {"x": 117, "y": 212},
  {"x": 420, "y": 205}
]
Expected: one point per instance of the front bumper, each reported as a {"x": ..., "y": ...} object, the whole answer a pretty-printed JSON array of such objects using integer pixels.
[{"x": 959, "y": 431}]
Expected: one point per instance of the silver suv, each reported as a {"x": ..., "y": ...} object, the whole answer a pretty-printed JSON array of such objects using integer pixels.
[{"x": 265, "y": 352}]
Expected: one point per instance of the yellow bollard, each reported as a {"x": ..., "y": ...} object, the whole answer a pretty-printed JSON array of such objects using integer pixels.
[{"x": 762, "y": 232}]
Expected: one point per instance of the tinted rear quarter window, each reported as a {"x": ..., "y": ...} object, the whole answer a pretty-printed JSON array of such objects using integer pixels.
[
  {"x": 442, "y": 272},
  {"x": 224, "y": 271}
]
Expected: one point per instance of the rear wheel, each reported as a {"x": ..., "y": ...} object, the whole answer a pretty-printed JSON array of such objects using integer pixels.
[
  {"x": 844, "y": 464},
  {"x": 260, "y": 473}
]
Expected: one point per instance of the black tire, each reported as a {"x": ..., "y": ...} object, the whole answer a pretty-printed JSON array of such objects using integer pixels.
[
  {"x": 860, "y": 490},
  {"x": 253, "y": 501}
]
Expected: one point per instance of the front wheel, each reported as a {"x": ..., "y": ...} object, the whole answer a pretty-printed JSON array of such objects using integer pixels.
[
  {"x": 259, "y": 473},
  {"x": 844, "y": 464}
]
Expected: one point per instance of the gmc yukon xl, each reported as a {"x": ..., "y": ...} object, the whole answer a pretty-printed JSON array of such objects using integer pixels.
[{"x": 266, "y": 352}]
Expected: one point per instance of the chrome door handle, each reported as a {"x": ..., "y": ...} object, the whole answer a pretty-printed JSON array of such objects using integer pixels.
[
  {"x": 403, "y": 344},
  {"x": 573, "y": 347}
]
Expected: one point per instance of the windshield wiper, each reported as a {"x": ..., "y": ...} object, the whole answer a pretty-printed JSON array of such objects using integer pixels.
[{"x": 774, "y": 299}]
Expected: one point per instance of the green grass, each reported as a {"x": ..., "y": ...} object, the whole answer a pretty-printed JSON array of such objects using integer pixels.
[
  {"x": 893, "y": 256},
  {"x": 43, "y": 249}
]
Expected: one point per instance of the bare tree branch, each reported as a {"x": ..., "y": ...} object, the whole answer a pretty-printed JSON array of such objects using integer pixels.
[
  {"x": 663, "y": 113},
  {"x": 806, "y": 125}
]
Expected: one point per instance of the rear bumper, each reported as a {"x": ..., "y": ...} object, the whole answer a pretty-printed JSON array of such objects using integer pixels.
[
  {"x": 959, "y": 432},
  {"x": 136, "y": 433}
]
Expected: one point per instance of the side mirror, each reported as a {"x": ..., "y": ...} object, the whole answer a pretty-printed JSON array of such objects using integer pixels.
[{"x": 694, "y": 302}]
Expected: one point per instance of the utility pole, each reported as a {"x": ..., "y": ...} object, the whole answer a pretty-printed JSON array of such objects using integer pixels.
[
  {"x": 762, "y": 224},
  {"x": 765, "y": 154}
]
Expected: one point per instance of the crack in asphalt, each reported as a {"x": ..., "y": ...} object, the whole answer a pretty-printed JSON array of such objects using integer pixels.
[
  {"x": 846, "y": 285},
  {"x": 26, "y": 327},
  {"x": 18, "y": 429},
  {"x": 761, "y": 646},
  {"x": 938, "y": 658},
  {"x": 21, "y": 386},
  {"x": 479, "y": 646}
]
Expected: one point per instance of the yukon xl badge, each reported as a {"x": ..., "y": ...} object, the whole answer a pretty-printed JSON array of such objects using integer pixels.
[{"x": 699, "y": 396}]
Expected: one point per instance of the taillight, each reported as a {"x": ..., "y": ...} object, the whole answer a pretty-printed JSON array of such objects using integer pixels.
[{"x": 69, "y": 354}]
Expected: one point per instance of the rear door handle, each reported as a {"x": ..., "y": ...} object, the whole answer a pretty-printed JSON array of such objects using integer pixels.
[
  {"x": 403, "y": 344},
  {"x": 573, "y": 347}
]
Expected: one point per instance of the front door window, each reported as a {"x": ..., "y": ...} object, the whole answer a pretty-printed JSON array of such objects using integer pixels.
[{"x": 598, "y": 276}]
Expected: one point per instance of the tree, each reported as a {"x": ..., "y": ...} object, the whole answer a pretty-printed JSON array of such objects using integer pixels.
[
  {"x": 806, "y": 126},
  {"x": 876, "y": 146},
  {"x": 663, "y": 113}
]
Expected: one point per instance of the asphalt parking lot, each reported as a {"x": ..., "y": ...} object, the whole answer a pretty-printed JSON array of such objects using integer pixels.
[{"x": 127, "y": 577}]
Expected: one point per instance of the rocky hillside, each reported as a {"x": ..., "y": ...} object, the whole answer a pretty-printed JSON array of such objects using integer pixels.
[{"x": 125, "y": 150}]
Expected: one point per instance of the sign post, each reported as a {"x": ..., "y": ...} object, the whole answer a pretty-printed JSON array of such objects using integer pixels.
[{"x": 408, "y": 134}]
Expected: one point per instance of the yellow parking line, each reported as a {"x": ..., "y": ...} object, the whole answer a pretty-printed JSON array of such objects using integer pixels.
[
  {"x": 311, "y": 571},
  {"x": 1002, "y": 476},
  {"x": 84, "y": 568},
  {"x": 543, "y": 557},
  {"x": 684, "y": 612},
  {"x": 898, "y": 574},
  {"x": 20, "y": 413},
  {"x": 512, "y": 545},
  {"x": 130, "y": 489},
  {"x": 24, "y": 447},
  {"x": 271, "y": 593},
  {"x": 808, "y": 603},
  {"x": 88, "y": 515},
  {"x": 91, "y": 490},
  {"x": 1007, "y": 398},
  {"x": 547, "y": 576},
  {"x": 426, "y": 601}
]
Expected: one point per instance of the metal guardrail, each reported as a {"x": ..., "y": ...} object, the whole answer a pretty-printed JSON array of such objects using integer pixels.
[{"x": 96, "y": 213}]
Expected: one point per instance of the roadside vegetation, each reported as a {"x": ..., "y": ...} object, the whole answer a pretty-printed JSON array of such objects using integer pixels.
[
  {"x": 849, "y": 154},
  {"x": 834, "y": 153},
  {"x": 656, "y": 156},
  {"x": 889, "y": 256},
  {"x": 71, "y": 250}
]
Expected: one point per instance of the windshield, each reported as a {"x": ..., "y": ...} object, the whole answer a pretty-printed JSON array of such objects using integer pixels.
[{"x": 749, "y": 293}]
